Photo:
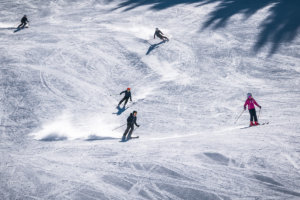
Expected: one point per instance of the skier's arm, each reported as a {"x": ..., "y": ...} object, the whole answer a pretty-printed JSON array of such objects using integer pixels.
[
  {"x": 136, "y": 124},
  {"x": 256, "y": 104},
  {"x": 130, "y": 97},
  {"x": 154, "y": 34},
  {"x": 122, "y": 92},
  {"x": 245, "y": 104}
]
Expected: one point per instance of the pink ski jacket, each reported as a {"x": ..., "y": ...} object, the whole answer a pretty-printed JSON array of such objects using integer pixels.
[{"x": 250, "y": 102}]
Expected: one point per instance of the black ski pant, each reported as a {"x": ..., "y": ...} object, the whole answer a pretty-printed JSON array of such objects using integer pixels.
[
  {"x": 124, "y": 99},
  {"x": 22, "y": 25},
  {"x": 129, "y": 129},
  {"x": 253, "y": 115},
  {"x": 162, "y": 37}
]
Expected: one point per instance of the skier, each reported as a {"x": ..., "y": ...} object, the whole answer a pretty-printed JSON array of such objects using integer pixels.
[
  {"x": 24, "y": 21},
  {"x": 126, "y": 97},
  {"x": 159, "y": 34},
  {"x": 131, "y": 121},
  {"x": 251, "y": 102}
]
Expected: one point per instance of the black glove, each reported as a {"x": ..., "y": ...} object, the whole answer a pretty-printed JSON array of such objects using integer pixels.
[
  {"x": 138, "y": 125},
  {"x": 244, "y": 108},
  {"x": 259, "y": 107}
]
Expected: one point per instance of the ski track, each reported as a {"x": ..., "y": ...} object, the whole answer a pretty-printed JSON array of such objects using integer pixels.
[{"x": 60, "y": 83}]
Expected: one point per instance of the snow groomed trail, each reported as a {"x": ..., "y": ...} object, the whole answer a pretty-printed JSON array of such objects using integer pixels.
[{"x": 60, "y": 84}]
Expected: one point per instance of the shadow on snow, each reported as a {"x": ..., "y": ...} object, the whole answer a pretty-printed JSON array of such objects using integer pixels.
[
  {"x": 53, "y": 137},
  {"x": 279, "y": 27},
  {"x": 95, "y": 137},
  {"x": 120, "y": 110},
  {"x": 154, "y": 46}
]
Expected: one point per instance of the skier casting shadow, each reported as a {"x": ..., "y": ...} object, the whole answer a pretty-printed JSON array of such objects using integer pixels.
[
  {"x": 125, "y": 98},
  {"x": 160, "y": 35},
  {"x": 24, "y": 21},
  {"x": 131, "y": 121}
]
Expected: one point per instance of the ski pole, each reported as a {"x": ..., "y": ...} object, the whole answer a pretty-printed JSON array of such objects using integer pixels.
[
  {"x": 258, "y": 113},
  {"x": 119, "y": 127},
  {"x": 239, "y": 116}
]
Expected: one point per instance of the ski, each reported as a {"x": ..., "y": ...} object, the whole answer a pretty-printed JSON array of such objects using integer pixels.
[
  {"x": 265, "y": 123},
  {"x": 135, "y": 137}
]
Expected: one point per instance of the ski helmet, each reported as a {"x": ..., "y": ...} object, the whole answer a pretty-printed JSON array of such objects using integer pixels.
[
  {"x": 156, "y": 29},
  {"x": 249, "y": 95},
  {"x": 128, "y": 88}
]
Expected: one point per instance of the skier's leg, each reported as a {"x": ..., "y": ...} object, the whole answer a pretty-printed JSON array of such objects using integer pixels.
[
  {"x": 130, "y": 132},
  {"x": 121, "y": 101},
  {"x": 255, "y": 117},
  {"x": 251, "y": 117},
  {"x": 126, "y": 100},
  {"x": 125, "y": 133},
  {"x": 20, "y": 25}
]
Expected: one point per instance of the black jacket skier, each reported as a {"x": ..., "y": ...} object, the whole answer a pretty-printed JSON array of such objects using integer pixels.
[
  {"x": 24, "y": 21},
  {"x": 126, "y": 97},
  {"x": 131, "y": 121},
  {"x": 159, "y": 34}
]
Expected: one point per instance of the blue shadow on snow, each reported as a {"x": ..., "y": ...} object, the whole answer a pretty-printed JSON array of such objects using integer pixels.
[
  {"x": 120, "y": 110},
  {"x": 154, "y": 46},
  {"x": 281, "y": 25},
  {"x": 95, "y": 137}
]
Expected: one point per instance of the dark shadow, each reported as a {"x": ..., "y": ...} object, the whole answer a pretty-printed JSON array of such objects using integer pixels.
[
  {"x": 19, "y": 29},
  {"x": 267, "y": 180},
  {"x": 95, "y": 137},
  {"x": 53, "y": 137},
  {"x": 219, "y": 158},
  {"x": 228, "y": 8},
  {"x": 155, "y": 4},
  {"x": 283, "y": 190},
  {"x": 281, "y": 25},
  {"x": 154, "y": 46},
  {"x": 120, "y": 110}
]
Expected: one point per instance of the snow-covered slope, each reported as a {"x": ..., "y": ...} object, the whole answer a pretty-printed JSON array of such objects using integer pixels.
[{"x": 60, "y": 84}]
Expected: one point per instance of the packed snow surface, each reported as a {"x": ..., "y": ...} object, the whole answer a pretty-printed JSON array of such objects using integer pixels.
[{"x": 60, "y": 81}]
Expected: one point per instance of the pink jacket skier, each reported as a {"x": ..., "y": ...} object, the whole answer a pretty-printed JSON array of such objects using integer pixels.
[{"x": 251, "y": 107}]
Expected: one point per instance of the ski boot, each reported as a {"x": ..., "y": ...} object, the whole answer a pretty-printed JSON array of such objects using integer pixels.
[
  {"x": 251, "y": 123},
  {"x": 256, "y": 123},
  {"x": 129, "y": 136}
]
